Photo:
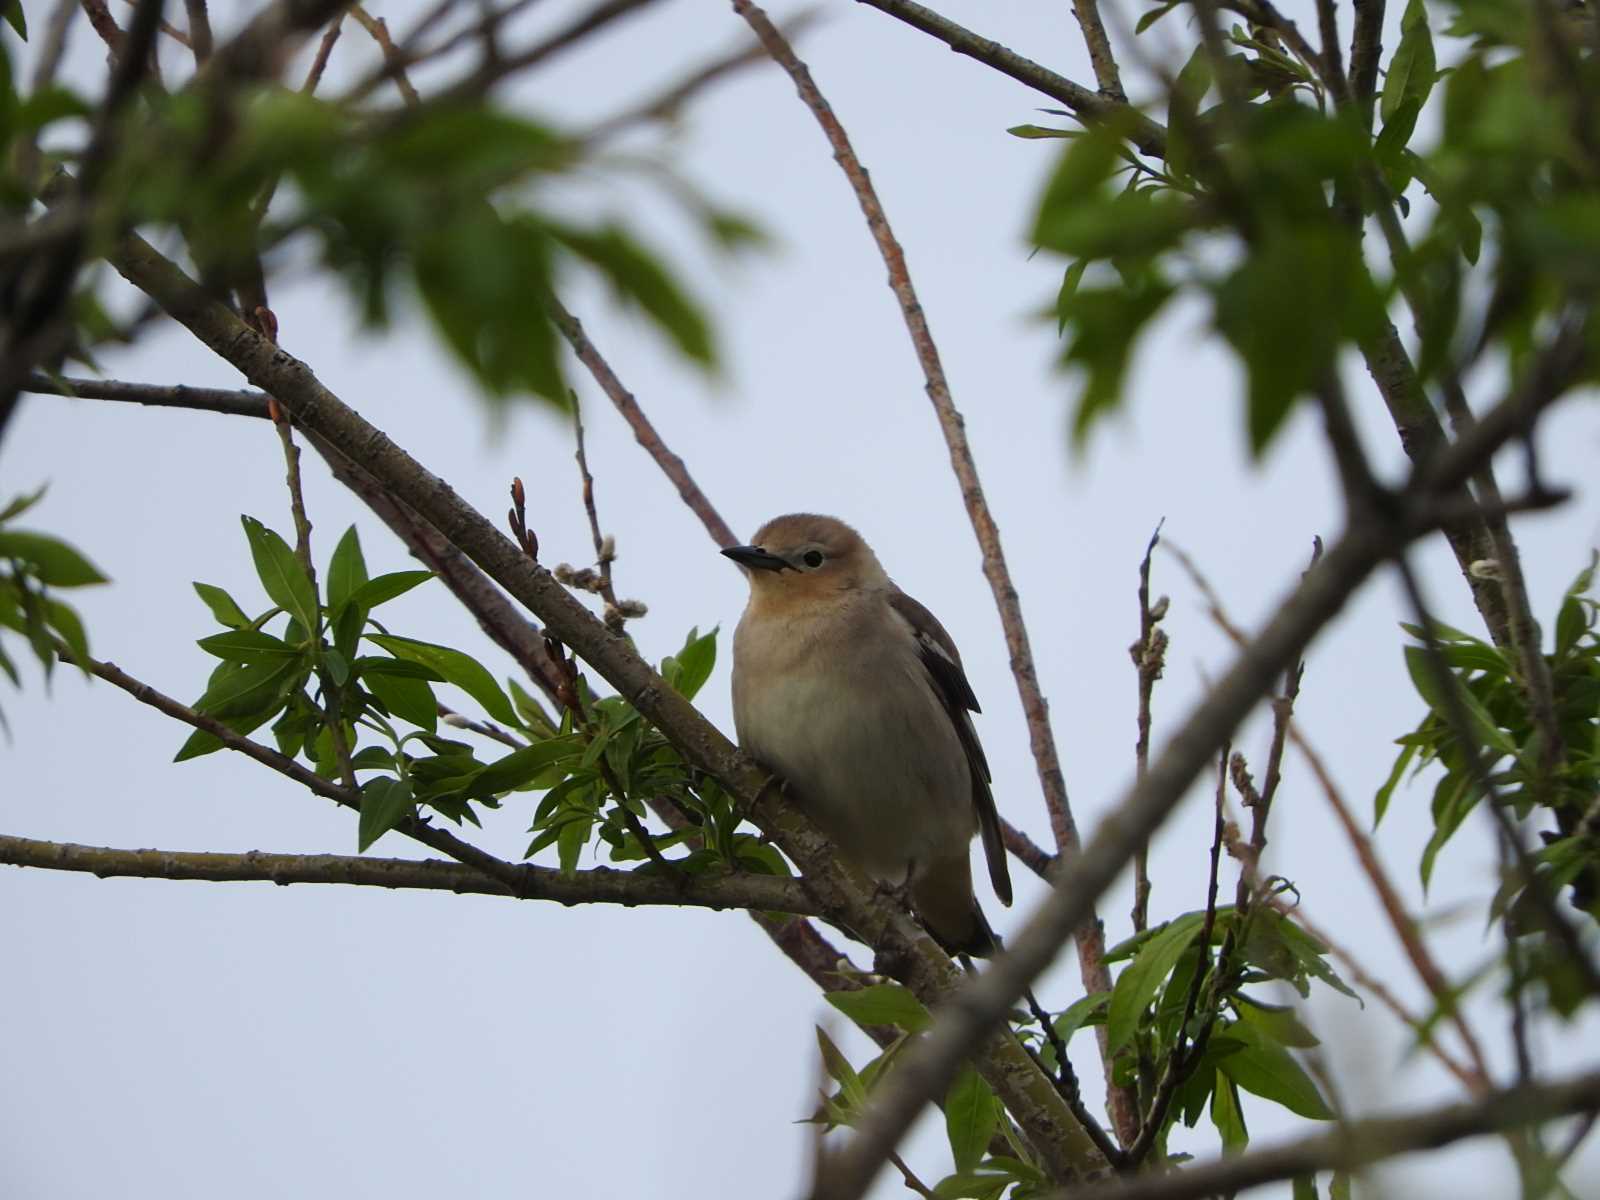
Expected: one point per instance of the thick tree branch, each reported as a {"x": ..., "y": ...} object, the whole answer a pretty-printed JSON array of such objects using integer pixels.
[
  {"x": 1359, "y": 1143},
  {"x": 602, "y": 885},
  {"x": 904, "y": 949}
]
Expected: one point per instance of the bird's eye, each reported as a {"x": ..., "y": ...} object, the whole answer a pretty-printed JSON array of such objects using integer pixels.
[{"x": 813, "y": 559}]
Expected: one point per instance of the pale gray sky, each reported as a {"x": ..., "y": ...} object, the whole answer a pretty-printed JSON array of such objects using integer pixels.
[{"x": 181, "y": 1039}]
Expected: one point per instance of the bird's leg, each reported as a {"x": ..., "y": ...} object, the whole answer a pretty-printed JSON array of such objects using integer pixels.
[{"x": 898, "y": 894}]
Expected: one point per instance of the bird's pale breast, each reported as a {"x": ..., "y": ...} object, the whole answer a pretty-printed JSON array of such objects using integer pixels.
[{"x": 854, "y": 725}]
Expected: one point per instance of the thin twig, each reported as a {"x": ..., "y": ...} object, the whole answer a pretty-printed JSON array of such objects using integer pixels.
[
  {"x": 319, "y": 62},
  {"x": 666, "y": 105},
  {"x": 378, "y": 30},
  {"x": 1149, "y": 659},
  {"x": 671, "y": 465},
  {"x": 1366, "y": 48},
  {"x": 911, "y": 1181},
  {"x": 602, "y": 885},
  {"x": 1101, "y": 56},
  {"x": 1091, "y": 937},
  {"x": 604, "y": 548}
]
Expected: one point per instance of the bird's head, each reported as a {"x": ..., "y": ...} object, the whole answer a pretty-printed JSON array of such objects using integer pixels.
[{"x": 803, "y": 557}]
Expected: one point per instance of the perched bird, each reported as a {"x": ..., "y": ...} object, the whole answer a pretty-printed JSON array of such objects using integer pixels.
[{"x": 853, "y": 693}]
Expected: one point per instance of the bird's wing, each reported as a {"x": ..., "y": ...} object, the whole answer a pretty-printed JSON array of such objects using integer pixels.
[{"x": 943, "y": 663}]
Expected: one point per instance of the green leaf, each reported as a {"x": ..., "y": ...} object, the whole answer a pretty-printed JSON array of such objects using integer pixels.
[
  {"x": 1264, "y": 1068},
  {"x": 1305, "y": 1187},
  {"x": 336, "y": 665},
  {"x": 1041, "y": 131},
  {"x": 1070, "y": 279},
  {"x": 1141, "y": 979},
  {"x": 22, "y": 503},
  {"x": 386, "y": 587},
  {"x": 574, "y": 836},
  {"x": 1425, "y": 678},
  {"x": 55, "y": 563},
  {"x": 970, "y": 1118},
  {"x": 1105, "y": 323},
  {"x": 882, "y": 1004},
  {"x": 249, "y": 645},
  {"x": 16, "y": 19},
  {"x": 245, "y": 689},
  {"x": 406, "y": 698},
  {"x": 374, "y": 664},
  {"x": 851, "y": 1089},
  {"x": 637, "y": 277},
  {"x": 1381, "y": 801},
  {"x": 1412, "y": 70},
  {"x": 1288, "y": 307},
  {"x": 1275, "y": 1021},
  {"x": 455, "y": 667},
  {"x": 521, "y": 766},
  {"x": 222, "y": 606},
  {"x": 1086, "y": 1010},
  {"x": 66, "y": 622},
  {"x": 347, "y": 570},
  {"x": 1227, "y": 1116},
  {"x": 385, "y": 802},
  {"x": 688, "y": 670},
  {"x": 281, "y": 574}
]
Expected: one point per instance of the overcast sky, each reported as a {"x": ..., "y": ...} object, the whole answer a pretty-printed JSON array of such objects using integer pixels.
[{"x": 185, "y": 1039}]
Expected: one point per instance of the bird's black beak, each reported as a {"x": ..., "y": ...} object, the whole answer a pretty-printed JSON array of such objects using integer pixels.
[{"x": 754, "y": 558}]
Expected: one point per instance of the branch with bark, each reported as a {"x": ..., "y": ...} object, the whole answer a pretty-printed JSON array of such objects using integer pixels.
[{"x": 602, "y": 885}]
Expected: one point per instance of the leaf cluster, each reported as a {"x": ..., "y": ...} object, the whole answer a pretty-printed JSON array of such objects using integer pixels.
[
  {"x": 1556, "y": 787},
  {"x": 32, "y": 566},
  {"x": 1259, "y": 208}
]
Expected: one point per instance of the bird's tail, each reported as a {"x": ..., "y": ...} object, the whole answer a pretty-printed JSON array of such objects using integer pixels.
[{"x": 943, "y": 898}]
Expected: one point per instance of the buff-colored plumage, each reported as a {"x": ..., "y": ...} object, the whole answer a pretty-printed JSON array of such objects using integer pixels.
[{"x": 854, "y": 694}]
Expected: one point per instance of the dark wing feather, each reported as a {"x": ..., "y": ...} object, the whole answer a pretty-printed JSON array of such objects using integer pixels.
[{"x": 943, "y": 662}]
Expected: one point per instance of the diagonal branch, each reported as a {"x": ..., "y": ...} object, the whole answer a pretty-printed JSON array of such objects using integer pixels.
[
  {"x": 1360, "y": 1143},
  {"x": 1090, "y": 936},
  {"x": 602, "y": 885}
]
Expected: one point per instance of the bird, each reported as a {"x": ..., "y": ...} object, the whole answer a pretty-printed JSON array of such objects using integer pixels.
[{"x": 854, "y": 695}]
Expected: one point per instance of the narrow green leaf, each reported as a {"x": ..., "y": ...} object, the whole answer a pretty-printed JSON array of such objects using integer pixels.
[
  {"x": 838, "y": 1067},
  {"x": 54, "y": 562},
  {"x": 1381, "y": 801},
  {"x": 1086, "y": 1010},
  {"x": 465, "y": 672},
  {"x": 386, "y": 587},
  {"x": 405, "y": 697},
  {"x": 337, "y": 666},
  {"x": 574, "y": 836},
  {"x": 1264, "y": 1068},
  {"x": 1276, "y": 1021},
  {"x": 691, "y": 667},
  {"x": 520, "y": 766},
  {"x": 385, "y": 802},
  {"x": 1305, "y": 1187},
  {"x": 222, "y": 606},
  {"x": 281, "y": 574},
  {"x": 66, "y": 622},
  {"x": 882, "y": 1004},
  {"x": 248, "y": 645},
  {"x": 16, "y": 19},
  {"x": 1227, "y": 1116},
  {"x": 1140, "y": 980},
  {"x": 347, "y": 570},
  {"x": 1041, "y": 131},
  {"x": 22, "y": 503},
  {"x": 970, "y": 1118}
]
